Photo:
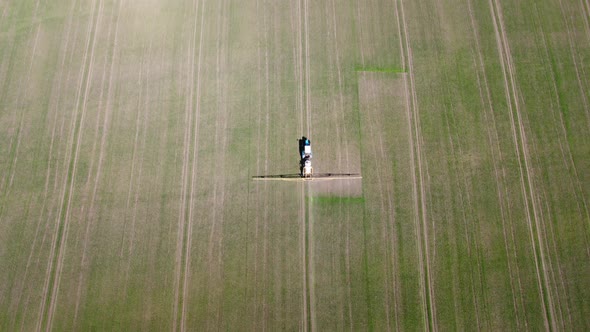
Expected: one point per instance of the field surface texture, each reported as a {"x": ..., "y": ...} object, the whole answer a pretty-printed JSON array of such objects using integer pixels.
[{"x": 130, "y": 132}]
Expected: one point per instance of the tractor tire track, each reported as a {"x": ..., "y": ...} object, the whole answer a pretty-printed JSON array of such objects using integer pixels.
[
  {"x": 263, "y": 98},
  {"x": 570, "y": 166},
  {"x": 91, "y": 214},
  {"x": 570, "y": 162},
  {"x": 130, "y": 187},
  {"x": 303, "y": 237},
  {"x": 386, "y": 212},
  {"x": 336, "y": 106},
  {"x": 66, "y": 57},
  {"x": 256, "y": 307},
  {"x": 497, "y": 157},
  {"x": 39, "y": 222},
  {"x": 300, "y": 66},
  {"x": 429, "y": 302},
  {"x": 303, "y": 246},
  {"x": 6, "y": 63},
  {"x": 265, "y": 234},
  {"x": 585, "y": 9},
  {"x": 145, "y": 111},
  {"x": 309, "y": 218},
  {"x": 14, "y": 150},
  {"x": 268, "y": 195},
  {"x": 360, "y": 32},
  {"x": 20, "y": 284},
  {"x": 191, "y": 133},
  {"x": 87, "y": 216},
  {"x": 215, "y": 240},
  {"x": 20, "y": 128},
  {"x": 577, "y": 67},
  {"x": 520, "y": 141},
  {"x": 307, "y": 69},
  {"x": 60, "y": 86},
  {"x": 260, "y": 307},
  {"x": 528, "y": 170},
  {"x": 181, "y": 216},
  {"x": 562, "y": 283},
  {"x": 62, "y": 220},
  {"x": 72, "y": 175},
  {"x": 142, "y": 120},
  {"x": 347, "y": 160},
  {"x": 336, "y": 109},
  {"x": 185, "y": 154},
  {"x": 466, "y": 209}
]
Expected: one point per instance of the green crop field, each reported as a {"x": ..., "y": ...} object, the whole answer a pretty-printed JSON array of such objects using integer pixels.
[{"x": 130, "y": 132}]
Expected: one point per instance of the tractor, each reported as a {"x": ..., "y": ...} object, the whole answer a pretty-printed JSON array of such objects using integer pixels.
[{"x": 305, "y": 163}]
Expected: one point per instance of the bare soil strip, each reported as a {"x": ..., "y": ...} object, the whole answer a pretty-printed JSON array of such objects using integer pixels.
[
  {"x": 416, "y": 143},
  {"x": 520, "y": 141}
]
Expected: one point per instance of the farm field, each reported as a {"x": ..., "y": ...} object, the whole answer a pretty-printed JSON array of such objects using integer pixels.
[{"x": 130, "y": 132}]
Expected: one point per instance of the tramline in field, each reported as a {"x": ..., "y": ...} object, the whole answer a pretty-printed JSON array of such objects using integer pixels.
[{"x": 306, "y": 169}]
